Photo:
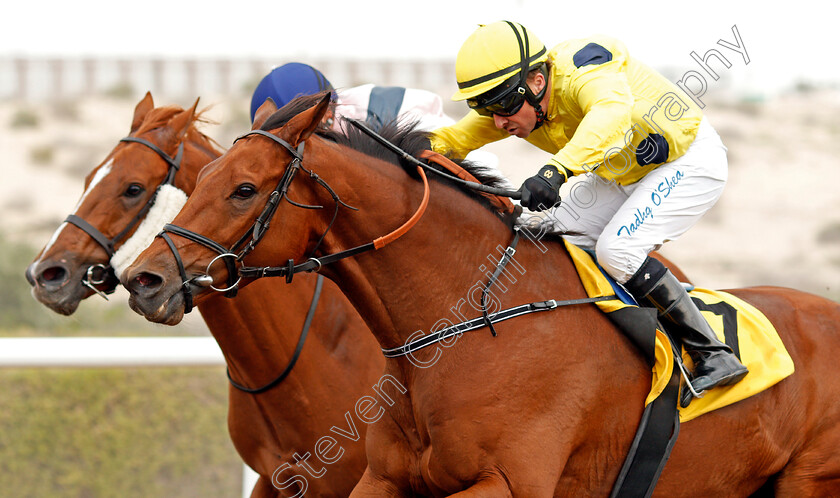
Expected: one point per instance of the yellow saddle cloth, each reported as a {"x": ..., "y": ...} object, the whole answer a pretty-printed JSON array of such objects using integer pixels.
[{"x": 735, "y": 321}]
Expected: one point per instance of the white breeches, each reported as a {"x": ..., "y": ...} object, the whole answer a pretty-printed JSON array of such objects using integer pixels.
[{"x": 622, "y": 224}]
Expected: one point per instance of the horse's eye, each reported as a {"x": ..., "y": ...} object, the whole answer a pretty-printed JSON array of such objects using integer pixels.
[
  {"x": 134, "y": 190},
  {"x": 244, "y": 191}
]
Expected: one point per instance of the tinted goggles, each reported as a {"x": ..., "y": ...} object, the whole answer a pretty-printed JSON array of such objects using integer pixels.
[{"x": 504, "y": 100}]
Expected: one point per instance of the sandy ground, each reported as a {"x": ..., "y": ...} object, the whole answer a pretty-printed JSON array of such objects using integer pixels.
[{"x": 777, "y": 223}]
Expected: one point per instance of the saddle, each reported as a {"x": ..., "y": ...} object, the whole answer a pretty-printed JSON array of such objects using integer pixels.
[{"x": 737, "y": 323}]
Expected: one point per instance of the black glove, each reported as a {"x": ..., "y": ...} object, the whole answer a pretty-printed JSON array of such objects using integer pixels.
[{"x": 541, "y": 190}]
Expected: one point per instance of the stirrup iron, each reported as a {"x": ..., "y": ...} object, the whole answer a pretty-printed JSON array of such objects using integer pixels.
[{"x": 687, "y": 377}]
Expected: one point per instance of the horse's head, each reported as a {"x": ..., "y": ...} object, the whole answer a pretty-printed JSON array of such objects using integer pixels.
[
  {"x": 209, "y": 240},
  {"x": 118, "y": 195}
]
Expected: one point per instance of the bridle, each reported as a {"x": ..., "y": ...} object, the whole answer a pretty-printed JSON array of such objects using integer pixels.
[
  {"x": 307, "y": 322},
  {"x": 235, "y": 255},
  {"x": 231, "y": 256},
  {"x": 99, "y": 274}
]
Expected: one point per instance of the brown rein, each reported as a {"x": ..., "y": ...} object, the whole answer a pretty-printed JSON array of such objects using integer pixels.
[
  {"x": 399, "y": 232},
  {"x": 315, "y": 264},
  {"x": 501, "y": 203}
]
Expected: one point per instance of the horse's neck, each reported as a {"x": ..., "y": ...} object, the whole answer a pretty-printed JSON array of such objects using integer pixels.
[
  {"x": 440, "y": 265},
  {"x": 255, "y": 334},
  {"x": 258, "y": 336}
]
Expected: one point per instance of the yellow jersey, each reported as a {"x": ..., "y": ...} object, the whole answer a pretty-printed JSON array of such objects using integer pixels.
[{"x": 606, "y": 113}]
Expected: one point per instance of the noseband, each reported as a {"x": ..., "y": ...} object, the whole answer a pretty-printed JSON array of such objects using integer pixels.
[
  {"x": 231, "y": 257},
  {"x": 100, "y": 274}
]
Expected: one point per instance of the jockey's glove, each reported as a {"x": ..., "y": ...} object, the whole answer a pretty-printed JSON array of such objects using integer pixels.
[{"x": 541, "y": 191}]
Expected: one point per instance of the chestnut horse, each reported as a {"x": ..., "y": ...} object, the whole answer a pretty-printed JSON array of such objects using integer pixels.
[
  {"x": 258, "y": 331},
  {"x": 546, "y": 408}
]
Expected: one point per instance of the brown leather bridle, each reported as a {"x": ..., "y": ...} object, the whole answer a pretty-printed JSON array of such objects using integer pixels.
[
  {"x": 235, "y": 255},
  {"x": 99, "y": 274}
]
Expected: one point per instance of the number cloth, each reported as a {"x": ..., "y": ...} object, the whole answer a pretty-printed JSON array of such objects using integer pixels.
[{"x": 751, "y": 336}]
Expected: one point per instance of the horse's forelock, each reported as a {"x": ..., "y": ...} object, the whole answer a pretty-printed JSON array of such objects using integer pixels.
[
  {"x": 157, "y": 117},
  {"x": 160, "y": 116},
  {"x": 296, "y": 106}
]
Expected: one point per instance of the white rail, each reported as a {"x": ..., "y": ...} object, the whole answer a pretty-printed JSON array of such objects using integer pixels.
[
  {"x": 87, "y": 352},
  {"x": 51, "y": 78},
  {"x": 30, "y": 352}
]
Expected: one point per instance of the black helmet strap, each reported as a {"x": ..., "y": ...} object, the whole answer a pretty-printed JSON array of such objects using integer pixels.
[{"x": 534, "y": 100}]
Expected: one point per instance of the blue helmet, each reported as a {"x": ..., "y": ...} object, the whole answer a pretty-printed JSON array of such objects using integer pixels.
[{"x": 286, "y": 82}]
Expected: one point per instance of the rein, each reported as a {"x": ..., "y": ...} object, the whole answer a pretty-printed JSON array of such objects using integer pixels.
[
  {"x": 486, "y": 320},
  {"x": 497, "y": 196},
  {"x": 99, "y": 274},
  {"x": 261, "y": 224},
  {"x": 303, "y": 333},
  {"x": 229, "y": 255},
  {"x": 467, "y": 181}
]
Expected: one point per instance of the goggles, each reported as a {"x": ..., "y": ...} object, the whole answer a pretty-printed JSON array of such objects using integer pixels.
[{"x": 504, "y": 100}]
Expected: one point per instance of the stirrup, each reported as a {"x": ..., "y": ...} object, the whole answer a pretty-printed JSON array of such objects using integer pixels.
[{"x": 688, "y": 393}]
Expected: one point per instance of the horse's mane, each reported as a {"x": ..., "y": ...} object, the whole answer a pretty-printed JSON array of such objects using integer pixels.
[
  {"x": 160, "y": 116},
  {"x": 404, "y": 134}
]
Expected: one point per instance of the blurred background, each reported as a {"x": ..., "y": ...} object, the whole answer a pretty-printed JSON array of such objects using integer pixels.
[{"x": 72, "y": 72}]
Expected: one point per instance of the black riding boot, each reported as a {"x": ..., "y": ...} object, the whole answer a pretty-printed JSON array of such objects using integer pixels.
[{"x": 714, "y": 362}]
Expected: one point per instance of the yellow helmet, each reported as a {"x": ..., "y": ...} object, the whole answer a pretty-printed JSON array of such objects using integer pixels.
[{"x": 494, "y": 53}]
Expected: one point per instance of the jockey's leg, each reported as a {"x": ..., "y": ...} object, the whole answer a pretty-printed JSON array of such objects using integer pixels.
[
  {"x": 662, "y": 206},
  {"x": 588, "y": 205},
  {"x": 714, "y": 362}
]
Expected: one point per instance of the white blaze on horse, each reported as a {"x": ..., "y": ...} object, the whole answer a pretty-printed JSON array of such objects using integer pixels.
[{"x": 276, "y": 410}]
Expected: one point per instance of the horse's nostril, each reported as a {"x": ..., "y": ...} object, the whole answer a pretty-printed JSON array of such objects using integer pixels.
[
  {"x": 147, "y": 280},
  {"x": 53, "y": 274}
]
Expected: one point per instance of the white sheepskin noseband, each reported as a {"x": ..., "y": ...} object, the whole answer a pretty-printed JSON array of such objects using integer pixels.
[{"x": 168, "y": 204}]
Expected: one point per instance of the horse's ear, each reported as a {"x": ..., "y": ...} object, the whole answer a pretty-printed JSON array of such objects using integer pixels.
[
  {"x": 263, "y": 112},
  {"x": 143, "y": 108},
  {"x": 301, "y": 126},
  {"x": 180, "y": 123}
]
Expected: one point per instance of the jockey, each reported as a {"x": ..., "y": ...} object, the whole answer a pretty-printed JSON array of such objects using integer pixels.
[
  {"x": 376, "y": 105},
  {"x": 649, "y": 159}
]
